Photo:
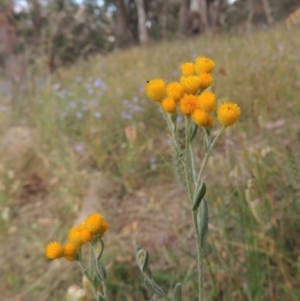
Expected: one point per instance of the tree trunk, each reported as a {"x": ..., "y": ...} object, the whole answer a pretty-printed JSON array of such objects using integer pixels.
[
  {"x": 36, "y": 18},
  {"x": 35, "y": 8},
  {"x": 196, "y": 17},
  {"x": 14, "y": 64},
  {"x": 164, "y": 19},
  {"x": 123, "y": 34},
  {"x": 195, "y": 5},
  {"x": 8, "y": 29},
  {"x": 203, "y": 13},
  {"x": 183, "y": 29},
  {"x": 267, "y": 11},
  {"x": 216, "y": 10},
  {"x": 213, "y": 12},
  {"x": 143, "y": 34}
]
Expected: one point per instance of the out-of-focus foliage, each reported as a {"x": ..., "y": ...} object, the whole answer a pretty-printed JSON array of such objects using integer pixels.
[
  {"x": 64, "y": 30},
  {"x": 251, "y": 12}
]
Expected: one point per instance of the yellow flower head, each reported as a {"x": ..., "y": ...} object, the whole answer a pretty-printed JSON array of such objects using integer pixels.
[
  {"x": 75, "y": 236},
  {"x": 207, "y": 101},
  {"x": 205, "y": 80},
  {"x": 104, "y": 228},
  {"x": 228, "y": 113},
  {"x": 86, "y": 235},
  {"x": 175, "y": 90},
  {"x": 54, "y": 250},
  {"x": 168, "y": 105},
  {"x": 191, "y": 84},
  {"x": 188, "y": 104},
  {"x": 210, "y": 122},
  {"x": 200, "y": 117},
  {"x": 69, "y": 249},
  {"x": 187, "y": 69},
  {"x": 94, "y": 222},
  {"x": 70, "y": 257},
  {"x": 156, "y": 89},
  {"x": 204, "y": 64}
]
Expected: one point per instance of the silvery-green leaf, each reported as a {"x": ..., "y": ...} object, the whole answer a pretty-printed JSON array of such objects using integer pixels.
[
  {"x": 156, "y": 289},
  {"x": 148, "y": 273},
  {"x": 202, "y": 221},
  {"x": 193, "y": 131},
  {"x": 199, "y": 195},
  {"x": 147, "y": 283},
  {"x": 101, "y": 271},
  {"x": 177, "y": 292},
  {"x": 142, "y": 259}
]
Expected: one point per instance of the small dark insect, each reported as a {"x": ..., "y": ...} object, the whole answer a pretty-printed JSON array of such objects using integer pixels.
[{"x": 222, "y": 71}]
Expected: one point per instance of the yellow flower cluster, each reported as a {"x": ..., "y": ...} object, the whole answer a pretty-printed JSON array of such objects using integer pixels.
[
  {"x": 93, "y": 227},
  {"x": 189, "y": 95}
]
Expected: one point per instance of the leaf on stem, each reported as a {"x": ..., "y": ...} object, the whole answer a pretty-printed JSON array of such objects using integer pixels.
[
  {"x": 142, "y": 259},
  {"x": 202, "y": 221},
  {"x": 100, "y": 270},
  {"x": 199, "y": 195},
  {"x": 151, "y": 284},
  {"x": 177, "y": 292},
  {"x": 193, "y": 131}
]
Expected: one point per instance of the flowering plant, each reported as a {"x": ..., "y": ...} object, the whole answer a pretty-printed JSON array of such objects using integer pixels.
[
  {"x": 89, "y": 231},
  {"x": 190, "y": 98}
]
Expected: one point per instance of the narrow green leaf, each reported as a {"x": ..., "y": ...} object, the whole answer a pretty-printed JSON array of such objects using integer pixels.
[
  {"x": 147, "y": 283},
  {"x": 193, "y": 131},
  {"x": 202, "y": 221},
  {"x": 177, "y": 292},
  {"x": 199, "y": 195},
  {"x": 142, "y": 259},
  {"x": 150, "y": 283},
  {"x": 100, "y": 270}
]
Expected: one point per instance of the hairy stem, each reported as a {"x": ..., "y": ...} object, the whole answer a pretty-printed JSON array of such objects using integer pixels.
[{"x": 192, "y": 182}]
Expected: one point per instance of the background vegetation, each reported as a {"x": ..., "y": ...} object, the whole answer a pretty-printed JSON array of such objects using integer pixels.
[{"x": 85, "y": 138}]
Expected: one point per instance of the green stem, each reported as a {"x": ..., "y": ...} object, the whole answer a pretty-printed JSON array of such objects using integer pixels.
[
  {"x": 200, "y": 248},
  {"x": 103, "y": 283},
  {"x": 104, "y": 287},
  {"x": 189, "y": 165},
  {"x": 102, "y": 249},
  {"x": 172, "y": 127},
  {"x": 199, "y": 255},
  {"x": 100, "y": 296},
  {"x": 87, "y": 274},
  {"x": 83, "y": 268},
  {"x": 187, "y": 161},
  {"x": 206, "y": 157},
  {"x": 193, "y": 165},
  {"x": 187, "y": 172}
]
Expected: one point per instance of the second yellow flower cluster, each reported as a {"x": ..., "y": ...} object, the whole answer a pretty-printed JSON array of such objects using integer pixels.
[
  {"x": 93, "y": 227},
  {"x": 190, "y": 96}
]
